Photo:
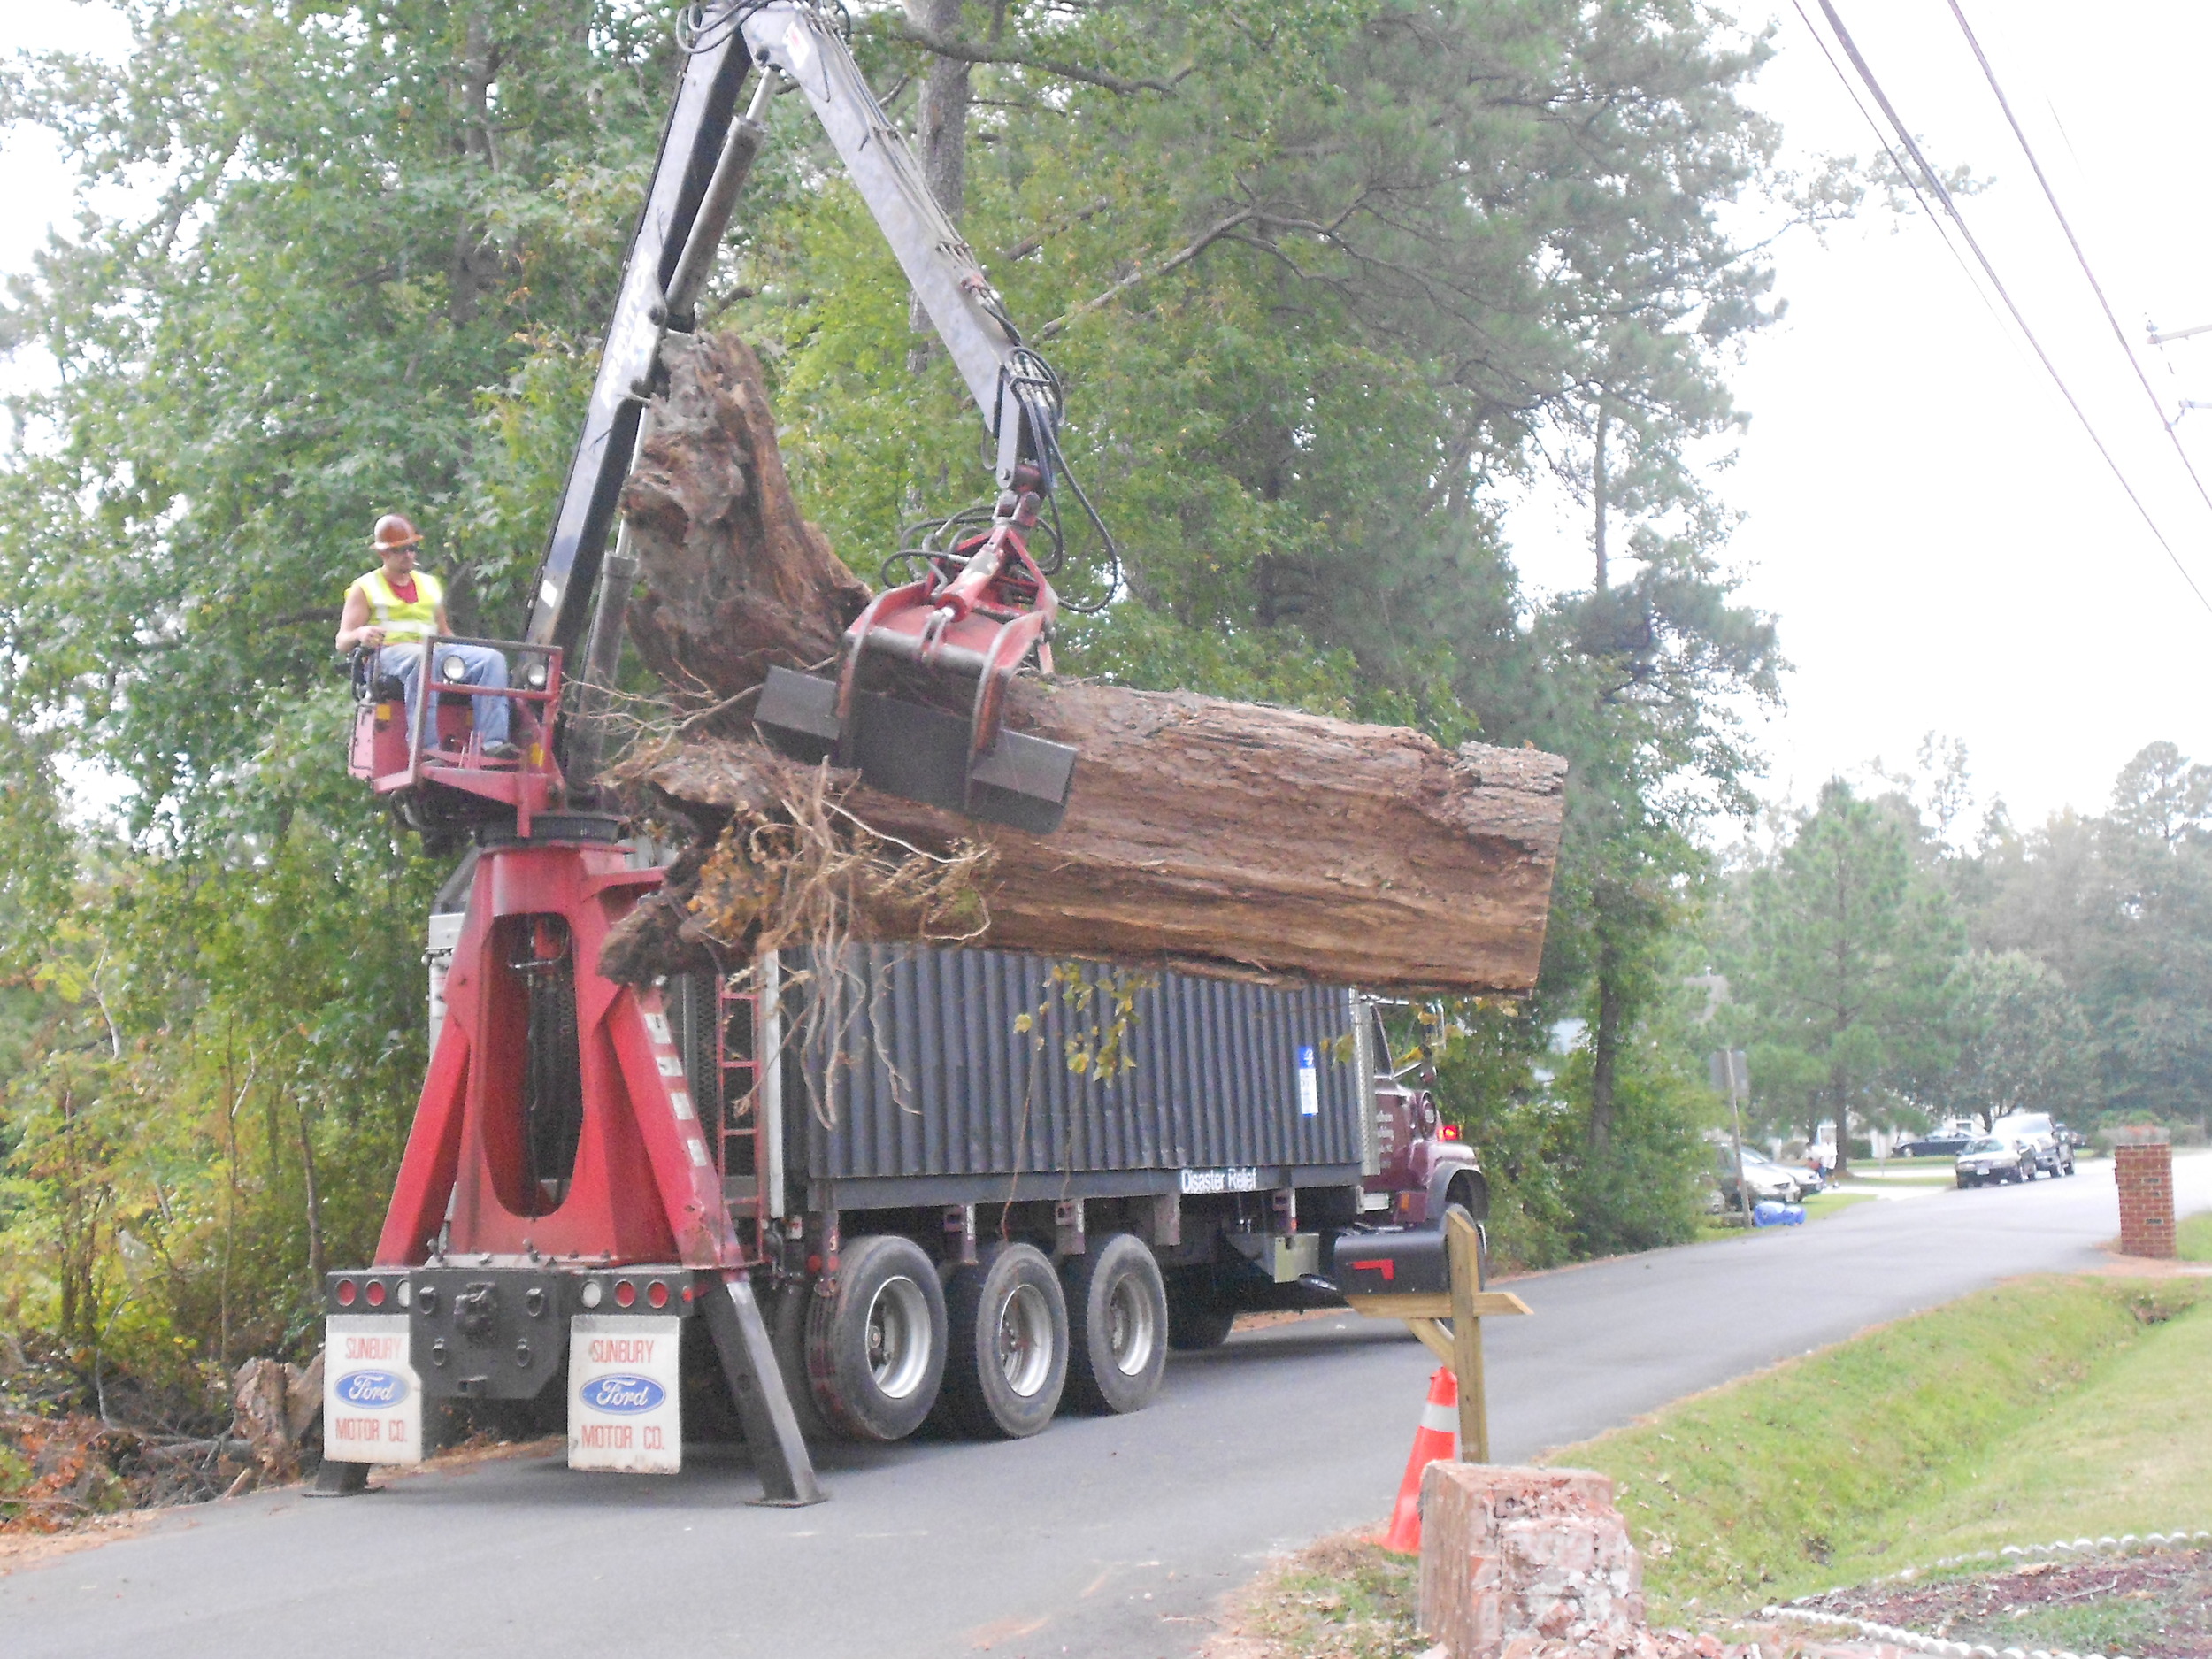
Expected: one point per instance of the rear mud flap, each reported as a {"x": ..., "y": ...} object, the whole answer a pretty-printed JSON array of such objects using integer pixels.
[
  {"x": 371, "y": 1397},
  {"x": 905, "y": 749}
]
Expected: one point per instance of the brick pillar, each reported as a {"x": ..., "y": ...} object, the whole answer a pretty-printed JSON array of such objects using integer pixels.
[
  {"x": 2144, "y": 1161},
  {"x": 1512, "y": 1558}
]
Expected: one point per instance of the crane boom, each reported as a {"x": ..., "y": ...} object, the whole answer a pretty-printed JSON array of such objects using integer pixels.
[
  {"x": 961, "y": 304},
  {"x": 985, "y": 609},
  {"x": 698, "y": 125}
]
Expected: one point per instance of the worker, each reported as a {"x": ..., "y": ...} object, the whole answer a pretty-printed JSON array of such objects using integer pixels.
[{"x": 395, "y": 608}]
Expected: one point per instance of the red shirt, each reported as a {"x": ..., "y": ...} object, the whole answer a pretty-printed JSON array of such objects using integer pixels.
[{"x": 403, "y": 589}]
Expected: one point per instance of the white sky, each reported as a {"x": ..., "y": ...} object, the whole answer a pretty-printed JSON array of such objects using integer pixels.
[
  {"x": 1943, "y": 548},
  {"x": 1941, "y": 544}
]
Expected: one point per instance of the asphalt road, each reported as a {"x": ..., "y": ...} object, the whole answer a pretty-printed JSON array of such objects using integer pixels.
[{"x": 1109, "y": 1539}]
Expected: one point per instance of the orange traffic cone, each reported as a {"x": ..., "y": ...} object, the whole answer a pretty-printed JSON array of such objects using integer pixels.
[{"x": 1437, "y": 1438}]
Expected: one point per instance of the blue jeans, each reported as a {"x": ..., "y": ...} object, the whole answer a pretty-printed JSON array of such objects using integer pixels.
[{"x": 480, "y": 665}]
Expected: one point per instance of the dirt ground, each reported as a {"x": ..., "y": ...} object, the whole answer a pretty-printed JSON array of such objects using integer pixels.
[{"x": 2157, "y": 1605}]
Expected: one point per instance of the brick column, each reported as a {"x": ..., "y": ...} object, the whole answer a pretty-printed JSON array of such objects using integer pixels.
[
  {"x": 1513, "y": 1558},
  {"x": 2144, "y": 1161}
]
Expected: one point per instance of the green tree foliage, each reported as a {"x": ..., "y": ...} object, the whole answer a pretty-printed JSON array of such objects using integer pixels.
[
  {"x": 2120, "y": 909},
  {"x": 1321, "y": 279},
  {"x": 2023, "y": 1041},
  {"x": 2062, "y": 970},
  {"x": 1844, "y": 966}
]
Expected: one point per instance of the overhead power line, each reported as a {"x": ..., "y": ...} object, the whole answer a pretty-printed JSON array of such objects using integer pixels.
[
  {"x": 1912, "y": 183},
  {"x": 2119, "y": 335},
  {"x": 1989, "y": 269}
]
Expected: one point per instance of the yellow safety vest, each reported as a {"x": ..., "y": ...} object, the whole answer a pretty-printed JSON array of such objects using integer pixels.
[{"x": 404, "y": 623}]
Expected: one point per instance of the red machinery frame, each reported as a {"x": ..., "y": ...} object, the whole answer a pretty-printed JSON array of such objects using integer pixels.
[
  {"x": 979, "y": 608},
  {"x": 646, "y": 1184},
  {"x": 438, "y": 749}
]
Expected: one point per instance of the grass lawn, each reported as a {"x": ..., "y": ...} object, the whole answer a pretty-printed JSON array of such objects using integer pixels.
[
  {"x": 1818, "y": 1205},
  {"x": 2193, "y": 1238},
  {"x": 1827, "y": 1203},
  {"x": 1343, "y": 1598},
  {"x": 2046, "y": 1409}
]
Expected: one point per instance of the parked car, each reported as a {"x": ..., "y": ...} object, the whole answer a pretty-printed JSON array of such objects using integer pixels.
[
  {"x": 1766, "y": 1178},
  {"x": 2053, "y": 1153},
  {"x": 1940, "y": 1143},
  {"x": 1993, "y": 1159}
]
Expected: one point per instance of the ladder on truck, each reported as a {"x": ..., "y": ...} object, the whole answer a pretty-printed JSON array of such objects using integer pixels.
[{"x": 739, "y": 1153}]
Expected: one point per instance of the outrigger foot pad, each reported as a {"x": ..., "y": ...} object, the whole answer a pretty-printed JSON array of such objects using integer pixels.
[
  {"x": 905, "y": 749},
  {"x": 336, "y": 1479}
]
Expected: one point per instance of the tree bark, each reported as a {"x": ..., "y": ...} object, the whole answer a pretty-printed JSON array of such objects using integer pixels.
[{"x": 1201, "y": 833}]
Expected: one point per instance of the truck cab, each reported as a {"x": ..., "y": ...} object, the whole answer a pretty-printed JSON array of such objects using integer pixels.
[{"x": 1421, "y": 1164}]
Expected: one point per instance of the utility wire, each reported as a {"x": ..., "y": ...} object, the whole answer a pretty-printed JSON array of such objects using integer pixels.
[
  {"x": 1943, "y": 195},
  {"x": 2080, "y": 257},
  {"x": 1912, "y": 183}
]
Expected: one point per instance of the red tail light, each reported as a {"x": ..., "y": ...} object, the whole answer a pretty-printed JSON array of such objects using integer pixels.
[
  {"x": 1447, "y": 1132},
  {"x": 376, "y": 1293},
  {"x": 624, "y": 1293},
  {"x": 346, "y": 1293},
  {"x": 657, "y": 1294}
]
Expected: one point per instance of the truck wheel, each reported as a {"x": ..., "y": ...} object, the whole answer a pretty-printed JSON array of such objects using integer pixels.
[
  {"x": 1195, "y": 1322},
  {"x": 876, "y": 1350},
  {"x": 1009, "y": 1346},
  {"x": 787, "y": 1334},
  {"x": 1118, "y": 1315}
]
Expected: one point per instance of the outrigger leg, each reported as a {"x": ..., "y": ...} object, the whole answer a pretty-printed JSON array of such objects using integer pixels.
[{"x": 749, "y": 1363}]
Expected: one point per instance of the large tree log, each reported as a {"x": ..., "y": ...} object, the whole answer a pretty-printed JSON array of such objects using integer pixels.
[{"x": 1201, "y": 833}]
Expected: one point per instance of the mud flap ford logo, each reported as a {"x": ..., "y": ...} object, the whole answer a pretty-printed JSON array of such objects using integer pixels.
[
  {"x": 622, "y": 1395},
  {"x": 376, "y": 1390}
]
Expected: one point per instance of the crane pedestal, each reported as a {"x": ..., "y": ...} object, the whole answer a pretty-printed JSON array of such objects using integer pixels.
[{"x": 560, "y": 1200}]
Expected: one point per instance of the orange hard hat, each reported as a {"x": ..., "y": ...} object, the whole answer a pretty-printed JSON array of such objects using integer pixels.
[{"x": 394, "y": 532}]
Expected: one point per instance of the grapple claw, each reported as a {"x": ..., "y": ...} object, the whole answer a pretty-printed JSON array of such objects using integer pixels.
[{"x": 983, "y": 611}]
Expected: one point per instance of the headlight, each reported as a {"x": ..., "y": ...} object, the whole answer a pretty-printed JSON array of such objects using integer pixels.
[
  {"x": 534, "y": 675},
  {"x": 453, "y": 670}
]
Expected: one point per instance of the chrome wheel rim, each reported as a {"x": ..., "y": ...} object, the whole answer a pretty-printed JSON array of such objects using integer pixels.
[
  {"x": 898, "y": 1337},
  {"x": 1025, "y": 1340},
  {"x": 1131, "y": 1329}
]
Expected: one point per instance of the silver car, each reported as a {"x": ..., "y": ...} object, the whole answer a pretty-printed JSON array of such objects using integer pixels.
[
  {"x": 1994, "y": 1159},
  {"x": 2053, "y": 1152}
]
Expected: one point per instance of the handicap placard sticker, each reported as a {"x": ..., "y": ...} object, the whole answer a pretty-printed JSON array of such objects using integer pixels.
[{"x": 624, "y": 1410}]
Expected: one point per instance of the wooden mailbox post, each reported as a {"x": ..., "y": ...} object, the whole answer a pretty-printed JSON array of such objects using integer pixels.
[{"x": 1459, "y": 1343}]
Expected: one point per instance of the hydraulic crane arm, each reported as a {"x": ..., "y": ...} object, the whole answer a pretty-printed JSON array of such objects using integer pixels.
[
  {"x": 699, "y": 127},
  {"x": 1000, "y": 372},
  {"x": 982, "y": 611},
  {"x": 1007, "y": 383}
]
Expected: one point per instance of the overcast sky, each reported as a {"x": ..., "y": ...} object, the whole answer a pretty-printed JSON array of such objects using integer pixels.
[{"x": 1943, "y": 546}]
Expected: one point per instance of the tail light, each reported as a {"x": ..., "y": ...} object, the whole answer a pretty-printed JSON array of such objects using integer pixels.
[
  {"x": 346, "y": 1293},
  {"x": 1447, "y": 1132},
  {"x": 624, "y": 1293},
  {"x": 656, "y": 1293},
  {"x": 375, "y": 1293}
]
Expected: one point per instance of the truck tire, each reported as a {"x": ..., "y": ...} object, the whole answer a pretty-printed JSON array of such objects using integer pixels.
[
  {"x": 875, "y": 1351},
  {"x": 1196, "y": 1321},
  {"x": 1118, "y": 1318},
  {"x": 1008, "y": 1354},
  {"x": 787, "y": 1334}
]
